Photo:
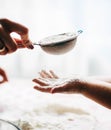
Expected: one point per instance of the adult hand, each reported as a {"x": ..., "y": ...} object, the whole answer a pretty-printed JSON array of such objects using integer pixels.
[
  {"x": 49, "y": 82},
  {"x": 3, "y": 76},
  {"x": 96, "y": 89},
  {"x": 9, "y": 44}
]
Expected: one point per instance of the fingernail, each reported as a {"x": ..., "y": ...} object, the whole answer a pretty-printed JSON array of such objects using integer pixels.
[{"x": 30, "y": 46}]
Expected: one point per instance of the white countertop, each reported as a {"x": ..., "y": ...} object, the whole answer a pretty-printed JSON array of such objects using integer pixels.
[{"x": 33, "y": 110}]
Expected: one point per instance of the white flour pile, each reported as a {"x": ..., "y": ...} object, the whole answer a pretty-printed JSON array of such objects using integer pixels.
[{"x": 56, "y": 117}]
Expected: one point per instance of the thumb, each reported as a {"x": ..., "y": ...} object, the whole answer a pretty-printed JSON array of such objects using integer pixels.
[{"x": 58, "y": 89}]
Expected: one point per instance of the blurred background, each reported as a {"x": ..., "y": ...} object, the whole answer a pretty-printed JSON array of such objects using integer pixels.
[{"x": 91, "y": 56}]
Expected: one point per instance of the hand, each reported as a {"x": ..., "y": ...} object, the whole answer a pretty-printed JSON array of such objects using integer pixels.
[
  {"x": 44, "y": 80},
  {"x": 9, "y": 44},
  {"x": 3, "y": 75},
  {"x": 49, "y": 82}
]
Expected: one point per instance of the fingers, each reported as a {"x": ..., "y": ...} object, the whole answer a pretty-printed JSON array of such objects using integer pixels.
[
  {"x": 49, "y": 74},
  {"x": 19, "y": 29},
  {"x": 46, "y": 81},
  {"x": 4, "y": 77},
  {"x": 50, "y": 89},
  {"x": 42, "y": 89},
  {"x": 7, "y": 27},
  {"x": 19, "y": 43},
  {"x": 7, "y": 41},
  {"x": 40, "y": 82},
  {"x": 41, "y": 85},
  {"x": 45, "y": 87},
  {"x": 45, "y": 74},
  {"x": 11, "y": 26},
  {"x": 53, "y": 74},
  {"x": 3, "y": 50}
]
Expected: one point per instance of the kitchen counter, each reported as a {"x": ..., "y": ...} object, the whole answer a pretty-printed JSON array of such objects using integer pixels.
[{"x": 34, "y": 110}]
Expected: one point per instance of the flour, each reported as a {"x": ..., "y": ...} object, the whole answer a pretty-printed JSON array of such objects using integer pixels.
[
  {"x": 56, "y": 117},
  {"x": 58, "y": 38}
]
